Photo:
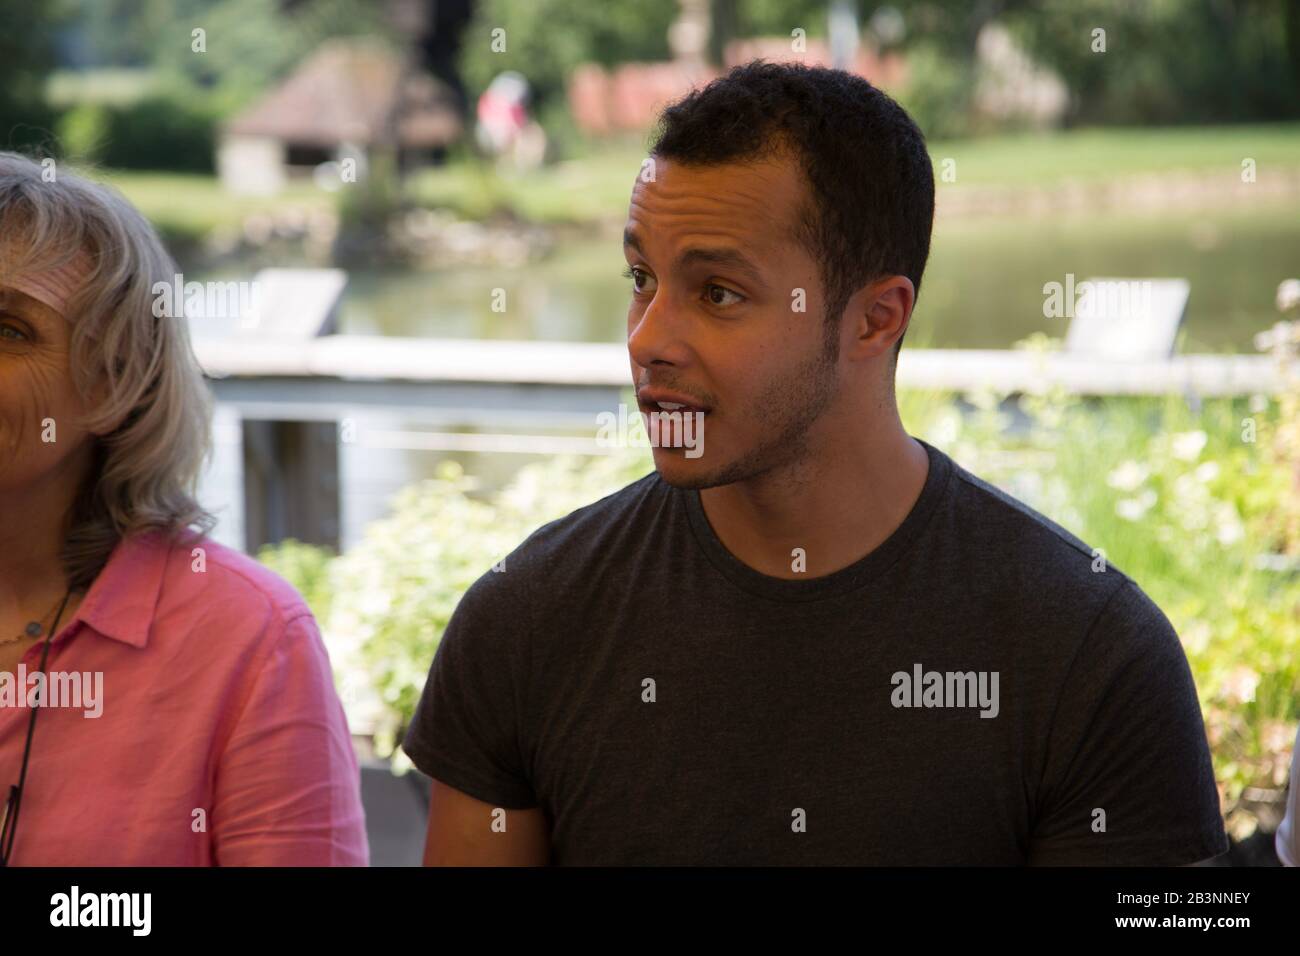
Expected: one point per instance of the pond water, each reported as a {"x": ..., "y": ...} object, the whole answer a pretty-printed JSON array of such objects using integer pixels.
[{"x": 983, "y": 287}]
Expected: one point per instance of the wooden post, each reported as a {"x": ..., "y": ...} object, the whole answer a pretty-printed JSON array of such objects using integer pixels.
[{"x": 291, "y": 483}]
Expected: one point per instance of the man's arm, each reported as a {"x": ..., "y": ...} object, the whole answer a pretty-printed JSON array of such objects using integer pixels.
[
  {"x": 471, "y": 731},
  {"x": 462, "y": 832}
]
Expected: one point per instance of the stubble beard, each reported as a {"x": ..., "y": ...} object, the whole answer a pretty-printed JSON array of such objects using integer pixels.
[{"x": 793, "y": 405}]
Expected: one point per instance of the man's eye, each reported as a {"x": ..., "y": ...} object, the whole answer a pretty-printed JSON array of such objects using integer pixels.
[
  {"x": 712, "y": 291},
  {"x": 636, "y": 275}
]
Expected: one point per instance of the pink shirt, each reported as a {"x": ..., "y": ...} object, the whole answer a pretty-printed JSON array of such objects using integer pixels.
[{"x": 220, "y": 739}]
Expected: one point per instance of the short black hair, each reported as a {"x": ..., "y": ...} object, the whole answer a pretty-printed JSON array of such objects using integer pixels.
[{"x": 871, "y": 179}]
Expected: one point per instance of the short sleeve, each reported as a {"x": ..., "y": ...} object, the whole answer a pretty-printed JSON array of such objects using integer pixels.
[
  {"x": 470, "y": 722},
  {"x": 288, "y": 786},
  {"x": 1128, "y": 779}
]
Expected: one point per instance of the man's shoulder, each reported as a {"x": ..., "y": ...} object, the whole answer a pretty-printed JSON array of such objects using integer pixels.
[
  {"x": 1022, "y": 559},
  {"x": 1015, "y": 545}
]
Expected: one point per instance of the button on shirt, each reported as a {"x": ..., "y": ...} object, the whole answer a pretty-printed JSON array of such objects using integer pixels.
[{"x": 219, "y": 737}]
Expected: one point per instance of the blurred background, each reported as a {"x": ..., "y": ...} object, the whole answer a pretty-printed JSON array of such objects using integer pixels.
[{"x": 402, "y": 225}]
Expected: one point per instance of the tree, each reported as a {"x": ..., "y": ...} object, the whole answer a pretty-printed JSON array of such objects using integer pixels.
[{"x": 26, "y": 57}]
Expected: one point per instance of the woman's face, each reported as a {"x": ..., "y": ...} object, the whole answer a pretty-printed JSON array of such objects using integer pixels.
[{"x": 40, "y": 440}]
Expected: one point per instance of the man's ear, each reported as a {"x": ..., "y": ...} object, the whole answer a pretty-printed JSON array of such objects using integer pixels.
[{"x": 882, "y": 310}]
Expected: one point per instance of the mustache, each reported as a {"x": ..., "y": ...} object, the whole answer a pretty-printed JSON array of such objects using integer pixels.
[{"x": 704, "y": 400}]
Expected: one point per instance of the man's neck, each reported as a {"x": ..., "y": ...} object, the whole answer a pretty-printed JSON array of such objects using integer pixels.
[{"x": 836, "y": 507}]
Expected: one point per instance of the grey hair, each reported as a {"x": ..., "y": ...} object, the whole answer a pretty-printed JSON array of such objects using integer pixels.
[{"x": 152, "y": 429}]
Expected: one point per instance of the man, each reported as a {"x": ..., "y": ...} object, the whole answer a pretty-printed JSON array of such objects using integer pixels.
[{"x": 820, "y": 641}]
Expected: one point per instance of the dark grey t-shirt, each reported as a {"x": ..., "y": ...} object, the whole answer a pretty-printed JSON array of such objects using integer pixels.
[{"x": 977, "y": 690}]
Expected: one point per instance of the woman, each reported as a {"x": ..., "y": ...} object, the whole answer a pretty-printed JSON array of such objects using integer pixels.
[{"x": 164, "y": 700}]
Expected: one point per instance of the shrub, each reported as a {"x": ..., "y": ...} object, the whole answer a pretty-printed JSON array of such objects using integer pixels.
[{"x": 154, "y": 132}]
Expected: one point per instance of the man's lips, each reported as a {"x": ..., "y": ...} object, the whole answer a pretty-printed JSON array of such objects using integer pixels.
[{"x": 649, "y": 400}]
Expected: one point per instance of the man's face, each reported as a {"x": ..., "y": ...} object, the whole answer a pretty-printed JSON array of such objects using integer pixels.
[{"x": 727, "y": 317}]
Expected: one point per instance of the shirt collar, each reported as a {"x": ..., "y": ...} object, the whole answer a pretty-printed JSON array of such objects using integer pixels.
[{"x": 123, "y": 598}]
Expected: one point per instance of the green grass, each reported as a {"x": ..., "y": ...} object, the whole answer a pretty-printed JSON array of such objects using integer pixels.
[
  {"x": 585, "y": 188},
  {"x": 193, "y": 204},
  {"x": 596, "y": 185},
  {"x": 1099, "y": 154}
]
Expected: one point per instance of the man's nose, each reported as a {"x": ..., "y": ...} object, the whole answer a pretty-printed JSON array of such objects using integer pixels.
[{"x": 659, "y": 334}]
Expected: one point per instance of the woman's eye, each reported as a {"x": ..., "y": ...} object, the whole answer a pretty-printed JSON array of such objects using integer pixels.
[
  {"x": 712, "y": 292},
  {"x": 11, "y": 332}
]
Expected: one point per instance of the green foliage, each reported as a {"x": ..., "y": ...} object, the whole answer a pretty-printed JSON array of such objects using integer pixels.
[
  {"x": 26, "y": 56},
  {"x": 546, "y": 39},
  {"x": 778, "y": 17},
  {"x": 160, "y": 131},
  {"x": 1171, "y": 61},
  {"x": 248, "y": 44},
  {"x": 83, "y": 131},
  {"x": 938, "y": 91},
  {"x": 366, "y": 208},
  {"x": 308, "y": 567}
]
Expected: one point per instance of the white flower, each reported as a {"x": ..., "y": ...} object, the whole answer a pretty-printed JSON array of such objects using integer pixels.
[
  {"x": 1132, "y": 509},
  {"x": 947, "y": 428},
  {"x": 1229, "y": 529},
  {"x": 1188, "y": 445},
  {"x": 1128, "y": 476},
  {"x": 1279, "y": 335},
  {"x": 1207, "y": 471},
  {"x": 1196, "y": 636},
  {"x": 1190, "y": 501},
  {"x": 1240, "y": 685},
  {"x": 1288, "y": 295}
]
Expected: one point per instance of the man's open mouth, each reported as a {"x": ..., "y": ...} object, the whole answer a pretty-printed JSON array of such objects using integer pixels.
[
  {"x": 653, "y": 400},
  {"x": 674, "y": 407}
]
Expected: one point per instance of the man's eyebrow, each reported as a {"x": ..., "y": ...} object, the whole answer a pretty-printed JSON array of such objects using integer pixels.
[
  {"x": 717, "y": 255},
  {"x": 721, "y": 256}
]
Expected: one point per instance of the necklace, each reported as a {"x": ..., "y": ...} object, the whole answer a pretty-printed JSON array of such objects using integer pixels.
[{"x": 33, "y": 628}]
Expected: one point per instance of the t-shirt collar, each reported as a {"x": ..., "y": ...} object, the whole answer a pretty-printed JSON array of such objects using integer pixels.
[{"x": 845, "y": 580}]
